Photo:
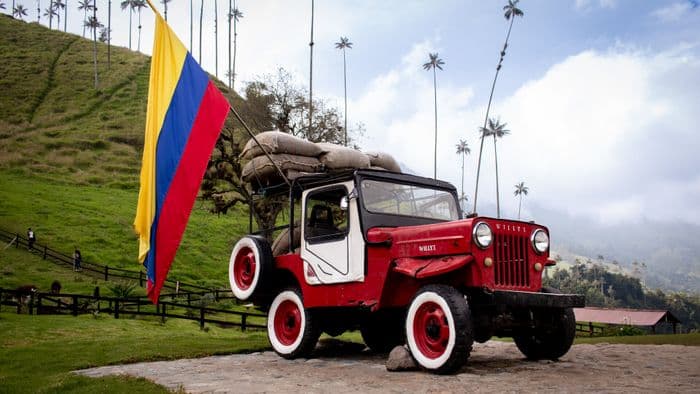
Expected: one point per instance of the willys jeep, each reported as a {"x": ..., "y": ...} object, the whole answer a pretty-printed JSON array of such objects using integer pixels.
[{"x": 390, "y": 254}]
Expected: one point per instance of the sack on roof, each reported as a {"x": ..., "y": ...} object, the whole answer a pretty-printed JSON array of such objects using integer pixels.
[
  {"x": 260, "y": 169},
  {"x": 383, "y": 160},
  {"x": 336, "y": 157},
  {"x": 279, "y": 142}
]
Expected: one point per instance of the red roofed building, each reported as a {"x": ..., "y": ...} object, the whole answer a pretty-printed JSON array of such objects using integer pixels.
[{"x": 627, "y": 317}]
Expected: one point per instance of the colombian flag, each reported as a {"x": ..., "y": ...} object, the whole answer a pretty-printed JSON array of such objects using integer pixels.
[{"x": 184, "y": 117}]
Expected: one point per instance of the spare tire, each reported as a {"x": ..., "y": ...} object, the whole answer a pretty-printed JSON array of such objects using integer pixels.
[{"x": 250, "y": 267}]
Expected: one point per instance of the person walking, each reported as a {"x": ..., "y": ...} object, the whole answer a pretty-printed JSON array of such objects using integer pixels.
[
  {"x": 77, "y": 260},
  {"x": 31, "y": 238}
]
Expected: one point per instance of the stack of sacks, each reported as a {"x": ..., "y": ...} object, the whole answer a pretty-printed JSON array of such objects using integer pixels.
[
  {"x": 297, "y": 157},
  {"x": 291, "y": 154}
]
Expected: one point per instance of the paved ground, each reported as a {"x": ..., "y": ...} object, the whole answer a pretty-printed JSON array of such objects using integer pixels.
[{"x": 493, "y": 367}]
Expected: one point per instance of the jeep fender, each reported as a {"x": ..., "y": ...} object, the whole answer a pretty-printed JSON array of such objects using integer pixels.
[{"x": 420, "y": 268}]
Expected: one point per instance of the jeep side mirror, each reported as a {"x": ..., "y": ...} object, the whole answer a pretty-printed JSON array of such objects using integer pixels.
[{"x": 344, "y": 203}]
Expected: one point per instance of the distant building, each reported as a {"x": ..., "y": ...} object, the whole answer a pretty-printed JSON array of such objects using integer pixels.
[{"x": 657, "y": 321}]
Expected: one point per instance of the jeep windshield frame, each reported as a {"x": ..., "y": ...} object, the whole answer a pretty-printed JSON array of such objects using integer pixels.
[{"x": 408, "y": 211}]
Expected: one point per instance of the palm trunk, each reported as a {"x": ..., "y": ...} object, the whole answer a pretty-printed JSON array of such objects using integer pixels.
[
  {"x": 498, "y": 199},
  {"x": 138, "y": 45},
  {"x": 94, "y": 44},
  {"x": 235, "y": 50},
  {"x": 462, "y": 174},
  {"x": 165, "y": 11},
  {"x": 216, "y": 39},
  {"x": 486, "y": 118},
  {"x": 311, "y": 68},
  {"x": 65, "y": 17},
  {"x": 131, "y": 16},
  {"x": 109, "y": 34},
  {"x": 201, "y": 15},
  {"x": 520, "y": 203},
  {"x": 345, "y": 88},
  {"x": 50, "y": 13},
  {"x": 435, "y": 143},
  {"x": 84, "y": 19},
  {"x": 228, "y": 65},
  {"x": 38, "y": 11},
  {"x": 191, "y": 23}
]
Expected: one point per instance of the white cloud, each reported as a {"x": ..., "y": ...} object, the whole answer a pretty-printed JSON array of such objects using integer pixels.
[
  {"x": 608, "y": 135},
  {"x": 587, "y": 5},
  {"x": 672, "y": 12}
]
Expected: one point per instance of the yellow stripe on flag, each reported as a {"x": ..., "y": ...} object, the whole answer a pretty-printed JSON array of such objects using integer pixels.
[{"x": 166, "y": 65}]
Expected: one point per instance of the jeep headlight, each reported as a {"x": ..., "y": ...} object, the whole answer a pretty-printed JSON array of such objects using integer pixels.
[
  {"x": 482, "y": 235},
  {"x": 540, "y": 241}
]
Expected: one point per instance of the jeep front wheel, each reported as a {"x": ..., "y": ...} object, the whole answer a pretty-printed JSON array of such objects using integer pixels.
[
  {"x": 439, "y": 329},
  {"x": 551, "y": 338},
  {"x": 290, "y": 327}
]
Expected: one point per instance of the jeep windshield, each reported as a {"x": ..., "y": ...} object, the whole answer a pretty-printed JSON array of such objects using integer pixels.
[{"x": 418, "y": 201}]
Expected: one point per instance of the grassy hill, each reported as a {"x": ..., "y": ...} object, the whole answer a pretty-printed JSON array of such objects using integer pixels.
[{"x": 70, "y": 154}]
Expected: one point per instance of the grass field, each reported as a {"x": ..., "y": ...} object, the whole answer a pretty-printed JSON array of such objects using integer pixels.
[
  {"x": 38, "y": 352},
  {"x": 670, "y": 339}
]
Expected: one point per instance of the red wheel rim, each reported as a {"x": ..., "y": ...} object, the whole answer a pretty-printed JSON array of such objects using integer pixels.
[
  {"x": 244, "y": 268},
  {"x": 287, "y": 322},
  {"x": 431, "y": 330}
]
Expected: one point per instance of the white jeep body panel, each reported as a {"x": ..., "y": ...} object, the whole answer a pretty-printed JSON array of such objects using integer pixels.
[{"x": 339, "y": 260}]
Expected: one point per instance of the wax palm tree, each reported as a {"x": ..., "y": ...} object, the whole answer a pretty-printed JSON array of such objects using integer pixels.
[
  {"x": 85, "y": 6},
  {"x": 109, "y": 34},
  {"x": 216, "y": 38},
  {"x": 65, "y": 15},
  {"x": 498, "y": 130},
  {"x": 19, "y": 11},
  {"x": 463, "y": 150},
  {"x": 311, "y": 69},
  {"x": 165, "y": 10},
  {"x": 129, "y": 5},
  {"x": 229, "y": 16},
  {"x": 201, "y": 15},
  {"x": 57, "y": 6},
  {"x": 511, "y": 11},
  {"x": 191, "y": 23},
  {"x": 38, "y": 10},
  {"x": 520, "y": 191},
  {"x": 434, "y": 63},
  {"x": 50, "y": 13},
  {"x": 236, "y": 16},
  {"x": 343, "y": 44},
  {"x": 2, "y": 5},
  {"x": 94, "y": 25},
  {"x": 139, "y": 4},
  {"x": 463, "y": 202}
]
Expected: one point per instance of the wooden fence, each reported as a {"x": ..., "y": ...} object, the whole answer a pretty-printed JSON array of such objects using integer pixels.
[
  {"x": 75, "y": 304},
  {"x": 589, "y": 329},
  {"x": 103, "y": 271}
]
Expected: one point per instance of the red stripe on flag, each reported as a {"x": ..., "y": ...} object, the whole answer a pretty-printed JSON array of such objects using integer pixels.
[{"x": 179, "y": 201}]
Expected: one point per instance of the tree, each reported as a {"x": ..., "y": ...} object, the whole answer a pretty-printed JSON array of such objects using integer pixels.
[
  {"x": 109, "y": 34},
  {"x": 58, "y": 5},
  {"x": 129, "y": 4},
  {"x": 65, "y": 16},
  {"x": 343, "y": 44},
  {"x": 311, "y": 69},
  {"x": 85, "y": 6},
  {"x": 511, "y": 11},
  {"x": 498, "y": 130},
  {"x": 216, "y": 38},
  {"x": 201, "y": 15},
  {"x": 463, "y": 150},
  {"x": 434, "y": 63},
  {"x": 104, "y": 34},
  {"x": 165, "y": 10},
  {"x": 19, "y": 11},
  {"x": 236, "y": 16},
  {"x": 520, "y": 190},
  {"x": 38, "y": 10},
  {"x": 50, "y": 13},
  {"x": 93, "y": 25},
  {"x": 191, "y": 22},
  {"x": 2, "y": 5},
  {"x": 139, "y": 4}
]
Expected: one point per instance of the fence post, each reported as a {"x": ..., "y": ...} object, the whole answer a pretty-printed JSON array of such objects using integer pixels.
[
  {"x": 75, "y": 305},
  {"x": 189, "y": 298},
  {"x": 162, "y": 313},
  {"x": 38, "y": 304},
  {"x": 243, "y": 321},
  {"x": 17, "y": 243},
  {"x": 201, "y": 318},
  {"x": 116, "y": 308},
  {"x": 44, "y": 252},
  {"x": 31, "y": 303},
  {"x": 140, "y": 278},
  {"x": 216, "y": 295},
  {"x": 106, "y": 272}
]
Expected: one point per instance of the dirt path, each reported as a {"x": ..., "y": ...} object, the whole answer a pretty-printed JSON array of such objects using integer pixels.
[{"x": 493, "y": 367}]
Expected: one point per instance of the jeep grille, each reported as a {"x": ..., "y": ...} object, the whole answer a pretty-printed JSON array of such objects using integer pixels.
[{"x": 511, "y": 265}]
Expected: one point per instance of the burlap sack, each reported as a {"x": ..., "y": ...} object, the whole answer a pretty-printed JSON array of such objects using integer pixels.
[
  {"x": 279, "y": 142},
  {"x": 383, "y": 160},
  {"x": 281, "y": 243},
  {"x": 261, "y": 169},
  {"x": 337, "y": 157}
]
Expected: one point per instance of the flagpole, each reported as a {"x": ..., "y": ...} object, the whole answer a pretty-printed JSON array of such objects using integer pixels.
[{"x": 286, "y": 180}]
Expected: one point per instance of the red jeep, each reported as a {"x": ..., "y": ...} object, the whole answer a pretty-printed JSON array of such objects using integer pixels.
[{"x": 391, "y": 255}]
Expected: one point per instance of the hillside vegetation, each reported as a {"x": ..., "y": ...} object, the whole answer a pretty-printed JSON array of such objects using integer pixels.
[{"x": 70, "y": 154}]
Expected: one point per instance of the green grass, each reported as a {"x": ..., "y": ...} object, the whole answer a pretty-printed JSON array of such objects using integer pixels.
[
  {"x": 38, "y": 352},
  {"x": 98, "y": 220},
  {"x": 670, "y": 339}
]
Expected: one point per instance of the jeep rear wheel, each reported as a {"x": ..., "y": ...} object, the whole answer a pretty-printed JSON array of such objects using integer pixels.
[
  {"x": 439, "y": 329},
  {"x": 552, "y": 335},
  {"x": 249, "y": 266},
  {"x": 290, "y": 327}
]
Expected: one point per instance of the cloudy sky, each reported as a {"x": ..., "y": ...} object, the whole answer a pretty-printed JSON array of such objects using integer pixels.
[{"x": 601, "y": 96}]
